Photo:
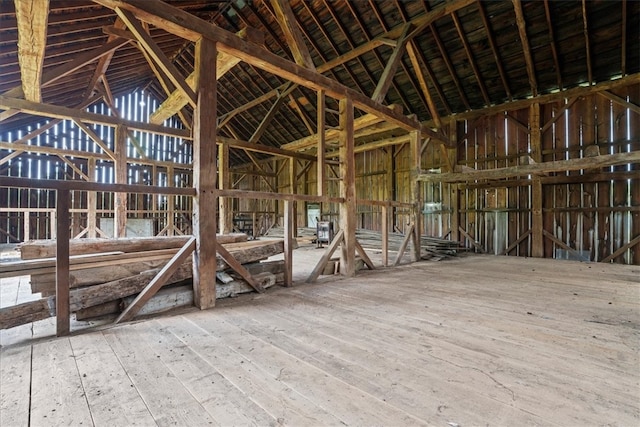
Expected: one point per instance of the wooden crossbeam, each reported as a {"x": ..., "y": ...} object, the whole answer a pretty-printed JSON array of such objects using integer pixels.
[
  {"x": 32, "y": 17},
  {"x": 558, "y": 114},
  {"x": 403, "y": 247},
  {"x": 186, "y": 25},
  {"x": 326, "y": 256},
  {"x": 621, "y": 101},
  {"x": 517, "y": 242},
  {"x": 471, "y": 239},
  {"x": 364, "y": 256},
  {"x": 538, "y": 168},
  {"x": 563, "y": 245},
  {"x": 59, "y": 112},
  {"x": 238, "y": 268},
  {"x": 622, "y": 249},
  {"x": 158, "y": 281},
  {"x": 266, "y": 121}
]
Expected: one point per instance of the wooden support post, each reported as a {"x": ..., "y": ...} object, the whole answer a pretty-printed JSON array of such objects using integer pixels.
[
  {"x": 321, "y": 171},
  {"x": 204, "y": 175},
  {"x": 62, "y": 263},
  {"x": 347, "y": 189},
  {"x": 385, "y": 236},
  {"x": 293, "y": 184},
  {"x": 224, "y": 179},
  {"x": 288, "y": 242},
  {"x": 120, "y": 199},
  {"x": 455, "y": 212},
  {"x": 171, "y": 203},
  {"x": 454, "y": 194},
  {"x": 537, "y": 224},
  {"x": 416, "y": 196},
  {"x": 92, "y": 198}
]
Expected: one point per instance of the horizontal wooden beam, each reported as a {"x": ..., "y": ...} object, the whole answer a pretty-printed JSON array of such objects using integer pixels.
[
  {"x": 20, "y": 148},
  {"x": 629, "y": 80},
  {"x": 536, "y": 169},
  {"x": 58, "y": 112},
  {"x": 261, "y": 148},
  {"x": 54, "y": 184},
  {"x": 189, "y": 26},
  {"x": 264, "y": 195}
]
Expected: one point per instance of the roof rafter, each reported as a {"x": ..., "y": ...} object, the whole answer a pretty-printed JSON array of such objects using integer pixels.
[
  {"x": 292, "y": 34},
  {"x": 528, "y": 59},
  {"x": 472, "y": 61},
  {"x": 191, "y": 27},
  {"x": 494, "y": 50},
  {"x": 552, "y": 42},
  {"x": 177, "y": 99},
  {"x": 585, "y": 29},
  {"x": 156, "y": 53},
  {"x": 447, "y": 61}
]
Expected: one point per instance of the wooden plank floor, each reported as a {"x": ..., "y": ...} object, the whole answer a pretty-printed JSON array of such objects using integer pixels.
[{"x": 477, "y": 340}]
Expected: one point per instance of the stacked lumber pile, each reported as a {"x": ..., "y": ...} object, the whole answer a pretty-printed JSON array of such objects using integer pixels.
[
  {"x": 106, "y": 275},
  {"x": 432, "y": 246}
]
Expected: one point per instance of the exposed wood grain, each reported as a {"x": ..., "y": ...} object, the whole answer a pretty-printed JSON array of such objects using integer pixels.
[
  {"x": 524, "y": 39},
  {"x": 158, "y": 281},
  {"x": 102, "y": 374},
  {"x": 292, "y": 33},
  {"x": 57, "y": 394},
  {"x": 347, "y": 189},
  {"x": 204, "y": 174},
  {"x": 32, "y": 40},
  {"x": 15, "y": 371}
]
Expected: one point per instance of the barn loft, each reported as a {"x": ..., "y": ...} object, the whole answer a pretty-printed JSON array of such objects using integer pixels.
[{"x": 469, "y": 170}]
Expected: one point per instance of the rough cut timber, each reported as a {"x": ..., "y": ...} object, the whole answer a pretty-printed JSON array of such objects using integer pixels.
[
  {"x": 32, "y": 40},
  {"x": 46, "y": 248}
]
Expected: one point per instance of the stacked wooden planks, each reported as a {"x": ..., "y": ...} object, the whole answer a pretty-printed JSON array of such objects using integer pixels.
[{"x": 105, "y": 274}]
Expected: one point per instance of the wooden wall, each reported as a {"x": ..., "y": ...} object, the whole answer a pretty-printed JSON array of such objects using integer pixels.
[
  {"x": 29, "y": 214},
  {"x": 594, "y": 212}
]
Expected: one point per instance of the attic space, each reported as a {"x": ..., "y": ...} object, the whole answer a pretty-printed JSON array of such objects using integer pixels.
[{"x": 319, "y": 212}]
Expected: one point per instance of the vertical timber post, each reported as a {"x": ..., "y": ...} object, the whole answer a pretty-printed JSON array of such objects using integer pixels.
[
  {"x": 204, "y": 174},
  {"x": 347, "y": 189},
  {"x": 92, "y": 198},
  {"x": 416, "y": 195},
  {"x": 537, "y": 226},
  {"x": 62, "y": 263},
  {"x": 321, "y": 181},
  {"x": 224, "y": 177},
  {"x": 454, "y": 194},
  {"x": 293, "y": 183},
  {"x": 288, "y": 242},
  {"x": 120, "y": 199}
]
